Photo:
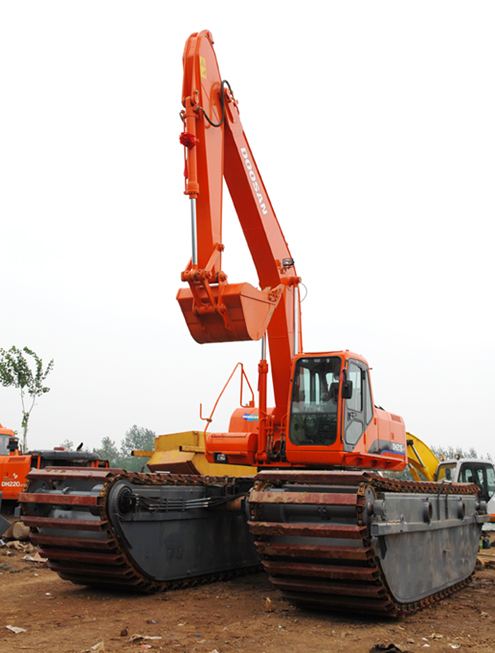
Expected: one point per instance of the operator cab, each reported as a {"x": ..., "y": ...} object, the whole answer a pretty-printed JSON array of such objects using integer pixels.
[
  {"x": 332, "y": 419},
  {"x": 482, "y": 473},
  {"x": 315, "y": 400},
  {"x": 8, "y": 441}
]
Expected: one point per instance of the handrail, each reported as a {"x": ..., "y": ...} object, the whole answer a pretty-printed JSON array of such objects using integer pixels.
[{"x": 250, "y": 404}]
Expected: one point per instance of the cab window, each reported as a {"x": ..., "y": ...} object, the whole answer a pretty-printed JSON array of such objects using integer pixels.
[
  {"x": 4, "y": 445},
  {"x": 355, "y": 414},
  {"x": 480, "y": 473},
  {"x": 490, "y": 481},
  {"x": 315, "y": 392},
  {"x": 368, "y": 406},
  {"x": 445, "y": 472}
]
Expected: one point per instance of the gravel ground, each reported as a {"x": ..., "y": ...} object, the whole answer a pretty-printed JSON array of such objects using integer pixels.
[{"x": 245, "y": 614}]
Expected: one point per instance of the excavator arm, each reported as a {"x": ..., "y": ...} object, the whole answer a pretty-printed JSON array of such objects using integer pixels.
[
  {"x": 422, "y": 462},
  {"x": 216, "y": 148}
]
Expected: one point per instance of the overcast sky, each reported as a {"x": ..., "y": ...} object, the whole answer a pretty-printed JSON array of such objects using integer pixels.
[{"x": 373, "y": 126}]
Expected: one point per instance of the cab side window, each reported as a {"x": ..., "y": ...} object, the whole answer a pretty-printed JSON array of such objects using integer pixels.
[
  {"x": 354, "y": 409},
  {"x": 467, "y": 474},
  {"x": 368, "y": 407},
  {"x": 481, "y": 474},
  {"x": 354, "y": 374},
  {"x": 490, "y": 481}
]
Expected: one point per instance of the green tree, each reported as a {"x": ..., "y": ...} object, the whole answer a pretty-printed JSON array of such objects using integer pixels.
[
  {"x": 23, "y": 369},
  {"x": 68, "y": 445},
  {"x": 446, "y": 453},
  {"x": 108, "y": 451},
  {"x": 136, "y": 437}
]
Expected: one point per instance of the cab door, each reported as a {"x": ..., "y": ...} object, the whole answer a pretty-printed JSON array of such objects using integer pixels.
[{"x": 358, "y": 409}]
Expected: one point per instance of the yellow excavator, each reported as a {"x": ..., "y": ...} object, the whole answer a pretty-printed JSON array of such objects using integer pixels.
[{"x": 422, "y": 462}]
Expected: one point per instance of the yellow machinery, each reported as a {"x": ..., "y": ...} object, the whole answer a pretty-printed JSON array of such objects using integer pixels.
[
  {"x": 422, "y": 462},
  {"x": 184, "y": 453}
]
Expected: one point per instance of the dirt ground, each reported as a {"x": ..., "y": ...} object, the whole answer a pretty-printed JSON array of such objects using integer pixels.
[{"x": 242, "y": 615}]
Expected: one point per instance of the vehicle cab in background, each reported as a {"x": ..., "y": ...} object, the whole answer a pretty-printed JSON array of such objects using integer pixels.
[
  {"x": 8, "y": 441},
  {"x": 480, "y": 472}
]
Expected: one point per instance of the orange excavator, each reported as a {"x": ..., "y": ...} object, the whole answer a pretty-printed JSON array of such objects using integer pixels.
[{"x": 329, "y": 525}]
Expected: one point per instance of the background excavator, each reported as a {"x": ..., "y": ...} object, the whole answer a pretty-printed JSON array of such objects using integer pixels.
[
  {"x": 15, "y": 466},
  {"x": 328, "y": 528}
]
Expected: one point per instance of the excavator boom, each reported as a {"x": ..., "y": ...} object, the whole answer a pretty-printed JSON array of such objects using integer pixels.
[{"x": 216, "y": 148}]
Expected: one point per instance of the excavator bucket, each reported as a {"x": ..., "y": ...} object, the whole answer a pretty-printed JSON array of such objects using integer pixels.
[{"x": 238, "y": 312}]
